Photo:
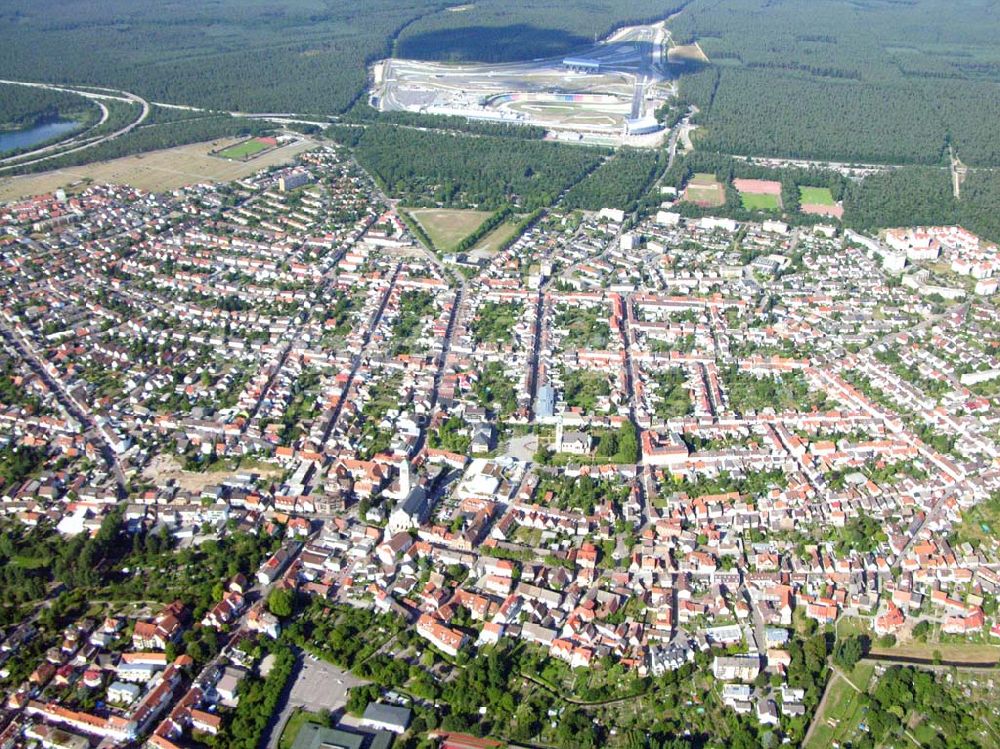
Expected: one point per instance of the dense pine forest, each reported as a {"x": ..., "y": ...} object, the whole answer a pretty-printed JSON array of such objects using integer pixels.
[
  {"x": 510, "y": 30},
  {"x": 846, "y": 80},
  {"x": 618, "y": 182},
  {"x": 431, "y": 168}
]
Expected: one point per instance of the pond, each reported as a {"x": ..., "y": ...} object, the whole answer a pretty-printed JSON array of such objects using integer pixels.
[{"x": 17, "y": 139}]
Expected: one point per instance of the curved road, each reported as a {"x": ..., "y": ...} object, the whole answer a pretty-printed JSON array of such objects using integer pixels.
[{"x": 25, "y": 159}]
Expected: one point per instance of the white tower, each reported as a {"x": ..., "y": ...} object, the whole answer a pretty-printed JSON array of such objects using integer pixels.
[{"x": 405, "y": 479}]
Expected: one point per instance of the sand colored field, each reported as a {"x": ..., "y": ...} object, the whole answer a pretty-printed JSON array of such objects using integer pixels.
[
  {"x": 687, "y": 53},
  {"x": 164, "y": 468},
  {"x": 816, "y": 209},
  {"x": 704, "y": 190},
  {"x": 154, "y": 171},
  {"x": 758, "y": 186}
]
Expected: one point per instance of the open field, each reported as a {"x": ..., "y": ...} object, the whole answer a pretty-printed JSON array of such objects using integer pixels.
[
  {"x": 961, "y": 652},
  {"x": 758, "y": 202},
  {"x": 687, "y": 53},
  {"x": 816, "y": 196},
  {"x": 447, "y": 227},
  {"x": 165, "y": 468},
  {"x": 705, "y": 190},
  {"x": 244, "y": 150},
  {"x": 492, "y": 241},
  {"x": 843, "y": 711},
  {"x": 154, "y": 171}
]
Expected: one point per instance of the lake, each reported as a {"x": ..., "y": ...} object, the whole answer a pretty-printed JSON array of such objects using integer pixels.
[{"x": 18, "y": 139}]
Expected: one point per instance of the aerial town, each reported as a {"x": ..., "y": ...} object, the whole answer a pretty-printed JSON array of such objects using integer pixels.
[{"x": 275, "y": 474}]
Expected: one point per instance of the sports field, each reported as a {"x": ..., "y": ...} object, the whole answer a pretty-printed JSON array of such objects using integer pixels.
[
  {"x": 758, "y": 202},
  {"x": 704, "y": 190},
  {"x": 816, "y": 196},
  {"x": 153, "y": 171},
  {"x": 447, "y": 227},
  {"x": 245, "y": 150}
]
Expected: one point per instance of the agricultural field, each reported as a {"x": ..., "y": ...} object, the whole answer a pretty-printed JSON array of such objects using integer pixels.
[
  {"x": 448, "y": 226},
  {"x": 247, "y": 149},
  {"x": 154, "y": 171},
  {"x": 705, "y": 190}
]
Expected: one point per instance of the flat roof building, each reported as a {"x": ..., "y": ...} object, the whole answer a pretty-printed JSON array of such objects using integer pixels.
[{"x": 582, "y": 64}]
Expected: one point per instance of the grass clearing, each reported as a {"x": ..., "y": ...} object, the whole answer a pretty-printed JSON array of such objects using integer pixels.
[
  {"x": 244, "y": 150},
  {"x": 979, "y": 525},
  {"x": 448, "y": 226},
  {"x": 687, "y": 53},
  {"x": 959, "y": 652},
  {"x": 758, "y": 202},
  {"x": 154, "y": 171},
  {"x": 493, "y": 241},
  {"x": 816, "y": 196}
]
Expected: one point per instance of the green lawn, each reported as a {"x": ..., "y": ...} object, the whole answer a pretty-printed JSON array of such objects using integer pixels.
[
  {"x": 447, "y": 226},
  {"x": 756, "y": 202},
  {"x": 493, "y": 241},
  {"x": 816, "y": 196},
  {"x": 703, "y": 179},
  {"x": 243, "y": 150},
  {"x": 294, "y": 725}
]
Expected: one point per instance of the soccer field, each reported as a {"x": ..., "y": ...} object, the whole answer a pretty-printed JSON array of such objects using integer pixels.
[
  {"x": 757, "y": 202},
  {"x": 244, "y": 150},
  {"x": 816, "y": 196},
  {"x": 703, "y": 189}
]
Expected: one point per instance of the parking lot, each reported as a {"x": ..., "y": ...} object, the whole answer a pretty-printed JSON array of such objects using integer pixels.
[
  {"x": 321, "y": 685},
  {"x": 318, "y": 686}
]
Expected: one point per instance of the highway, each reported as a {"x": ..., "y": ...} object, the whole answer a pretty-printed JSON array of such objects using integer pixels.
[{"x": 26, "y": 159}]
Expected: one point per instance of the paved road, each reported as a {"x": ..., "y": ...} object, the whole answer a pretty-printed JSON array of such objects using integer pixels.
[{"x": 106, "y": 93}]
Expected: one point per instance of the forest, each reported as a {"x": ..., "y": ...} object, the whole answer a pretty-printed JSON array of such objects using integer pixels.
[
  {"x": 857, "y": 81},
  {"x": 618, "y": 183},
  {"x": 429, "y": 168},
  {"x": 24, "y": 106},
  {"x": 510, "y": 30}
]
